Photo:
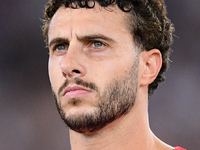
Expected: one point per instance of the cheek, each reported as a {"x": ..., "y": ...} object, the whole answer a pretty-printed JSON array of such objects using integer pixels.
[
  {"x": 51, "y": 75},
  {"x": 50, "y": 71},
  {"x": 54, "y": 75}
]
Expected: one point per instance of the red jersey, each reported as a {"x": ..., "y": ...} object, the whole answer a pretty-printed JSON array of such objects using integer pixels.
[{"x": 179, "y": 148}]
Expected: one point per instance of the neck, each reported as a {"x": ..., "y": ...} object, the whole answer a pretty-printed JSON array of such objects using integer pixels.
[{"x": 129, "y": 132}]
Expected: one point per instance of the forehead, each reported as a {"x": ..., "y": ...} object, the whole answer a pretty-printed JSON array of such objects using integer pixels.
[{"x": 84, "y": 20}]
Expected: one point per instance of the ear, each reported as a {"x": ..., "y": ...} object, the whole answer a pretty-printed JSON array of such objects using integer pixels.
[{"x": 150, "y": 66}]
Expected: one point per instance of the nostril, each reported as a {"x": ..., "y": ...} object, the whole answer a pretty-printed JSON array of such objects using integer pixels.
[{"x": 76, "y": 71}]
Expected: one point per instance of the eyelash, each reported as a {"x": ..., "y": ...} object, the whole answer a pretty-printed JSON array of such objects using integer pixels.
[
  {"x": 59, "y": 45},
  {"x": 90, "y": 45},
  {"x": 98, "y": 42}
]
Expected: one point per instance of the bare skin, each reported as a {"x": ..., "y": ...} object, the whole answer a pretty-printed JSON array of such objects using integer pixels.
[{"x": 100, "y": 65}]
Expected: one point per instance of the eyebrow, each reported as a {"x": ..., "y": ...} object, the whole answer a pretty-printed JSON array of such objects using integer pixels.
[
  {"x": 58, "y": 40},
  {"x": 95, "y": 37},
  {"x": 81, "y": 38}
]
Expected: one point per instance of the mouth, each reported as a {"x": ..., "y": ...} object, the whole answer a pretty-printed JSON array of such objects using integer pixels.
[{"x": 75, "y": 92}]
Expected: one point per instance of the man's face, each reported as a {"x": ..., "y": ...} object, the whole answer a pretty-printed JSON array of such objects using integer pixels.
[{"x": 93, "y": 66}]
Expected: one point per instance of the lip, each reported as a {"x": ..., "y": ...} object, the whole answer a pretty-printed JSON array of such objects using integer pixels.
[{"x": 75, "y": 91}]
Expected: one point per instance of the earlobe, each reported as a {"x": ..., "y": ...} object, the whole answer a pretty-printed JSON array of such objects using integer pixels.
[{"x": 151, "y": 65}]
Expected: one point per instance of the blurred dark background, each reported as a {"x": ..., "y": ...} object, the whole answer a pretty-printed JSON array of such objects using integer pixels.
[{"x": 28, "y": 116}]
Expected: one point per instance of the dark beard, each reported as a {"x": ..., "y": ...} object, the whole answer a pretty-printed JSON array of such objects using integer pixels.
[{"x": 116, "y": 100}]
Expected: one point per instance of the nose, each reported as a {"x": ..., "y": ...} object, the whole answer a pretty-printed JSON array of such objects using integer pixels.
[{"x": 72, "y": 64}]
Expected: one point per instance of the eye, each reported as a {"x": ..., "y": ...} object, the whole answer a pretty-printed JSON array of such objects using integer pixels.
[
  {"x": 97, "y": 44},
  {"x": 60, "y": 47}
]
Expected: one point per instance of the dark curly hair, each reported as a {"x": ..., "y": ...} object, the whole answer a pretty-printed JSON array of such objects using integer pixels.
[{"x": 148, "y": 23}]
